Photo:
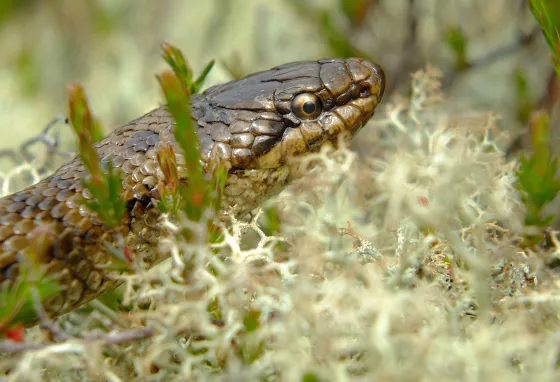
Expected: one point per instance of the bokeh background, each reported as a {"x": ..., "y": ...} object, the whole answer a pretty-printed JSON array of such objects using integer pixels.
[
  {"x": 451, "y": 292},
  {"x": 492, "y": 53}
]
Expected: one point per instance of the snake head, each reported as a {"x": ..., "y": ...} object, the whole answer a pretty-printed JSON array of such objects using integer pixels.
[
  {"x": 262, "y": 120},
  {"x": 258, "y": 123}
]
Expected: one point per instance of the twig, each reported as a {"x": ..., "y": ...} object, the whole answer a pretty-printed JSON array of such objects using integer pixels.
[
  {"x": 108, "y": 339},
  {"x": 365, "y": 247},
  {"x": 50, "y": 142},
  {"x": 107, "y": 312},
  {"x": 45, "y": 321},
  {"x": 492, "y": 56}
]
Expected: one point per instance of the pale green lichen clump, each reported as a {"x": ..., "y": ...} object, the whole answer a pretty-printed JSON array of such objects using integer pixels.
[{"x": 401, "y": 264}]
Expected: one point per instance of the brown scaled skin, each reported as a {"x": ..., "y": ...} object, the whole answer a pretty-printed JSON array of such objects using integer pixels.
[{"x": 256, "y": 124}]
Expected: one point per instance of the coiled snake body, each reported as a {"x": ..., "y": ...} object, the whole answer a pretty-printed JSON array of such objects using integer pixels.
[{"x": 255, "y": 124}]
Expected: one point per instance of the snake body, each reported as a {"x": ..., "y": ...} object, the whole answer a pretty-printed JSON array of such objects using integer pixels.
[{"x": 255, "y": 124}]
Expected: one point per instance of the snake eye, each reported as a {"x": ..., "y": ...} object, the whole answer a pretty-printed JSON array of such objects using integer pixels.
[{"x": 307, "y": 106}]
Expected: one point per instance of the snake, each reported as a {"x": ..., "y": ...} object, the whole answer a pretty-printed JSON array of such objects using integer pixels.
[{"x": 255, "y": 125}]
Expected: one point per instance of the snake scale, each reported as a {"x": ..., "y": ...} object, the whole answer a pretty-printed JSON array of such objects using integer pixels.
[{"x": 255, "y": 124}]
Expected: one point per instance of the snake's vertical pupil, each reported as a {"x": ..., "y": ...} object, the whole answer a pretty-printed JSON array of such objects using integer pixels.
[{"x": 309, "y": 107}]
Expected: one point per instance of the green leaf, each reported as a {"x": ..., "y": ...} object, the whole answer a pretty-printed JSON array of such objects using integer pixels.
[
  {"x": 524, "y": 102},
  {"x": 197, "y": 85},
  {"x": 16, "y": 298},
  {"x": 309, "y": 377},
  {"x": 106, "y": 187},
  {"x": 536, "y": 175},
  {"x": 178, "y": 63},
  {"x": 547, "y": 14},
  {"x": 457, "y": 42},
  {"x": 107, "y": 202},
  {"x": 251, "y": 321}
]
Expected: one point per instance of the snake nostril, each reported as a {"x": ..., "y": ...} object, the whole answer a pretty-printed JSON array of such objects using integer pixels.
[{"x": 365, "y": 90}]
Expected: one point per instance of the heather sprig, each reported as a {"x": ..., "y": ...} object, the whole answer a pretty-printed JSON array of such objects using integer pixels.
[
  {"x": 203, "y": 192},
  {"x": 538, "y": 182},
  {"x": 105, "y": 187},
  {"x": 547, "y": 14}
]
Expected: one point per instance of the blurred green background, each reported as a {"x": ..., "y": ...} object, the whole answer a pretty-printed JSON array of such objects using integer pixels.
[{"x": 492, "y": 53}]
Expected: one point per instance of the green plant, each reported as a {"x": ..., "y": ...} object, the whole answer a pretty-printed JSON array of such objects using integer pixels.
[
  {"x": 104, "y": 186},
  {"x": 19, "y": 300},
  {"x": 538, "y": 183},
  {"x": 547, "y": 14},
  {"x": 537, "y": 175},
  {"x": 457, "y": 42},
  {"x": 202, "y": 193}
]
